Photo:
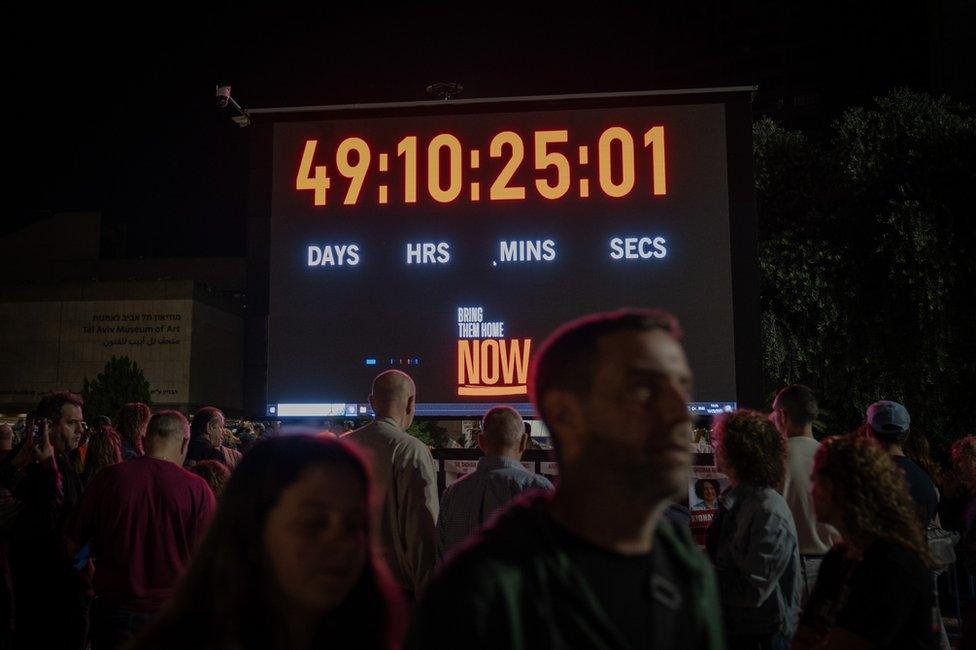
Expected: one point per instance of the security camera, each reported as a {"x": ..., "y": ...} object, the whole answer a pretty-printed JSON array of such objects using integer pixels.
[
  {"x": 445, "y": 90},
  {"x": 224, "y": 100},
  {"x": 223, "y": 96}
]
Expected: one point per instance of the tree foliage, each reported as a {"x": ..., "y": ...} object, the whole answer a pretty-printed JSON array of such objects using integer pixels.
[
  {"x": 122, "y": 381},
  {"x": 868, "y": 261},
  {"x": 428, "y": 432}
]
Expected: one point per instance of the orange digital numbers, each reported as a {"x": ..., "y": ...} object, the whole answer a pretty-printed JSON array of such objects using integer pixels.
[
  {"x": 356, "y": 173},
  {"x": 305, "y": 181},
  {"x": 407, "y": 149},
  {"x": 435, "y": 172},
  {"x": 654, "y": 138},
  {"x": 500, "y": 189},
  {"x": 545, "y": 159},
  {"x": 455, "y": 169},
  {"x": 626, "y": 163}
]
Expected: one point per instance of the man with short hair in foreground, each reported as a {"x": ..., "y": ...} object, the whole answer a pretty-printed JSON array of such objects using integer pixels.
[{"x": 596, "y": 565}]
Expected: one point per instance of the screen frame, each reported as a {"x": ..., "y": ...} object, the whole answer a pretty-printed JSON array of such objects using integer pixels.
[{"x": 743, "y": 227}]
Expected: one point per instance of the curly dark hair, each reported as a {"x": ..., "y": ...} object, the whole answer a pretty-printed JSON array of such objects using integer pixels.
[
  {"x": 50, "y": 405},
  {"x": 104, "y": 449},
  {"x": 871, "y": 492},
  {"x": 963, "y": 450},
  {"x": 131, "y": 421},
  {"x": 752, "y": 448},
  {"x": 700, "y": 487},
  {"x": 214, "y": 472}
]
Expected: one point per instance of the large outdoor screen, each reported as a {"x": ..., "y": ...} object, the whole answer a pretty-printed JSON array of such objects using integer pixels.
[{"x": 450, "y": 245}]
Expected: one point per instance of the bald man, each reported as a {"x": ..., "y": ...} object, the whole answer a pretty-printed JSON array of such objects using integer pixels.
[
  {"x": 405, "y": 474},
  {"x": 143, "y": 518},
  {"x": 499, "y": 478}
]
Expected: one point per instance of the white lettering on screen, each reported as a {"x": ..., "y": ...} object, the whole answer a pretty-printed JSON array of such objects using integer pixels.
[
  {"x": 638, "y": 248},
  {"x": 429, "y": 253},
  {"x": 527, "y": 250},
  {"x": 333, "y": 255}
]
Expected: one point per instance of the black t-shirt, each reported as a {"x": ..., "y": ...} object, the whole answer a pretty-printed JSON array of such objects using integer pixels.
[
  {"x": 921, "y": 487},
  {"x": 889, "y": 600},
  {"x": 641, "y": 594}
]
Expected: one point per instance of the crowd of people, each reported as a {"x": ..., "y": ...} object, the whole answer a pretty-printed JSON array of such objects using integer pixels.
[{"x": 155, "y": 531}]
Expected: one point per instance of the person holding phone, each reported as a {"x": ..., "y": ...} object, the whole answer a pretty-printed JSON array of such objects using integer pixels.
[
  {"x": 25, "y": 519},
  {"x": 44, "y": 576}
]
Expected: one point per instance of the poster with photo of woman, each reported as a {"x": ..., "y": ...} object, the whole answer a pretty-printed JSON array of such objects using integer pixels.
[{"x": 705, "y": 486}]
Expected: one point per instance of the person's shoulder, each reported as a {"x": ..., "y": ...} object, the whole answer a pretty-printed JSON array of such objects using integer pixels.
[
  {"x": 915, "y": 473},
  {"x": 768, "y": 504},
  {"x": 475, "y": 584},
  {"x": 910, "y": 466},
  {"x": 196, "y": 482},
  {"x": 406, "y": 445},
  {"x": 110, "y": 476},
  {"x": 541, "y": 482},
  {"x": 502, "y": 550},
  {"x": 894, "y": 556},
  {"x": 452, "y": 490},
  {"x": 781, "y": 512},
  {"x": 773, "y": 500},
  {"x": 760, "y": 497},
  {"x": 894, "y": 564},
  {"x": 681, "y": 547},
  {"x": 463, "y": 483},
  {"x": 376, "y": 430},
  {"x": 522, "y": 527},
  {"x": 356, "y": 434},
  {"x": 801, "y": 447},
  {"x": 176, "y": 476},
  {"x": 526, "y": 479}
]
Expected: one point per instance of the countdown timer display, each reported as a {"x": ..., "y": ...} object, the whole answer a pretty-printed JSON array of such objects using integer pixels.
[{"x": 450, "y": 245}]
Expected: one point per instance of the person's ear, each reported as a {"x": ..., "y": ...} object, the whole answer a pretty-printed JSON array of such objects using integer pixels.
[
  {"x": 481, "y": 443},
  {"x": 184, "y": 445},
  {"x": 523, "y": 443},
  {"x": 564, "y": 413},
  {"x": 411, "y": 403}
]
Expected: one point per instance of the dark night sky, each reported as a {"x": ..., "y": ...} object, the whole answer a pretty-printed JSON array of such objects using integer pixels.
[{"x": 115, "y": 113}]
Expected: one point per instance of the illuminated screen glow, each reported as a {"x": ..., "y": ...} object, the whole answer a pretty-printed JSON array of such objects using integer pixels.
[{"x": 450, "y": 246}]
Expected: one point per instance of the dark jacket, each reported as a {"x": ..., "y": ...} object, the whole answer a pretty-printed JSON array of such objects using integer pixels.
[
  {"x": 200, "y": 448},
  {"x": 514, "y": 587}
]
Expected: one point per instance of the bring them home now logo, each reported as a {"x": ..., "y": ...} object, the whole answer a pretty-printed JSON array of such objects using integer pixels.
[{"x": 493, "y": 367}]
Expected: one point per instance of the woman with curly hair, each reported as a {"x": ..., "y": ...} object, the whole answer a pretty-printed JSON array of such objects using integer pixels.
[
  {"x": 874, "y": 590},
  {"x": 104, "y": 449},
  {"x": 964, "y": 461},
  {"x": 288, "y": 561},
  {"x": 131, "y": 421},
  {"x": 752, "y": 539},
  {"x": 214, "y": 472}
]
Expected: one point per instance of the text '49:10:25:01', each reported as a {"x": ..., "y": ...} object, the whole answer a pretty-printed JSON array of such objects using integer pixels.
[{"x": 618, "y": 168}]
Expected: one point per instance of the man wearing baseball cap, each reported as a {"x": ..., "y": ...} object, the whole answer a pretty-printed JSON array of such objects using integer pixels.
[{"x": 889, "y": 423}]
